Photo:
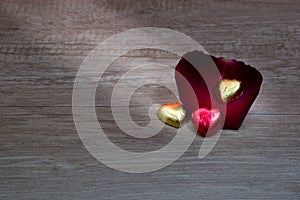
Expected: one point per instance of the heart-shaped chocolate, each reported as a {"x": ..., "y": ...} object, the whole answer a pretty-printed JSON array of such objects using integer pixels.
[
  {"x": 172, "y": 114},
  {"x": 207, "y": 121},
  {"x": 195, "y": 87},
  {"x": 228, "y": 90}
]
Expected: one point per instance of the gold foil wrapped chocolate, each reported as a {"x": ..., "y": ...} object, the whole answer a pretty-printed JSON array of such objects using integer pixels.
[
  {"x": 229, "y": 90},
  {"x": 172, "y": 114}
]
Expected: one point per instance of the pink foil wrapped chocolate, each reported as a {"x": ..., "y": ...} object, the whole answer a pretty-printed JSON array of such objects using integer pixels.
[
  {"x": 207, "y": 121},
  {"x": 232, "y": 90}
]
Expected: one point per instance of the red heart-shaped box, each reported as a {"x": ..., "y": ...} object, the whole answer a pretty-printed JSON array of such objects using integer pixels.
[{"x": 197, "y": 75}]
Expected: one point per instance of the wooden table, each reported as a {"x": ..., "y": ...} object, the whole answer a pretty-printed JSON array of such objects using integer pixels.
[{"x": 42, "y": 45}]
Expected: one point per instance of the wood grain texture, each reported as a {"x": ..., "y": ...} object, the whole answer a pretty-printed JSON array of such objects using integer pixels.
[{"x": 42, "y": 45}]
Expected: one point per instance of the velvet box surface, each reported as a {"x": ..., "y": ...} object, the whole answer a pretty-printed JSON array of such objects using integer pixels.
[{"x": 197, "y": 76}]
